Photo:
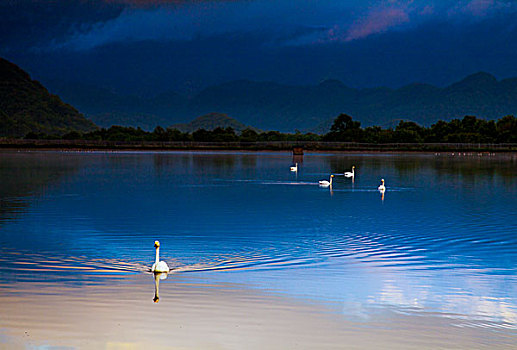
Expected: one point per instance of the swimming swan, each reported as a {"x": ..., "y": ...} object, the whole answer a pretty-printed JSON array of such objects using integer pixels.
[
  {"x": 294, "y": 168},
  {"x": 159, "y": 266},
  {"x": 325, "y": 183},
  {"x": 381, "y": 186},
  {"x": 350, "y": 174}
]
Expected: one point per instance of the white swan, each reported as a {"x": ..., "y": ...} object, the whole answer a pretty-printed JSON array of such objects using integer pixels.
[
  {"x": 159, "y": 266},
  {"x": 381, "y": 187},
  {"x": 350, "y": 174},
  {"x": 294, "y": 168},
  {"x": 325, "y": 183}
]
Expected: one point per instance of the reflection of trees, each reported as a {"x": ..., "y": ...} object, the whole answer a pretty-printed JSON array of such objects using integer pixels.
[
  {"x": 248, "y": 160},
  {"x": 499, "y": 167},
  {"x": 297, "y": 159},
  {"x": 164, "y": 162},
  {"x": 338, "y": 165},
  {"x": 183, "y": 163},
  {"x": 213, "y": 163},
  {"x": 30, "y": 174},
  {"x": 468, "y": 167},
  {"x": 434, "y": 168}
]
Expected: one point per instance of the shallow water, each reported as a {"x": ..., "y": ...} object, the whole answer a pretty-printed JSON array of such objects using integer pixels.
[{"x": 262, "y": 257}]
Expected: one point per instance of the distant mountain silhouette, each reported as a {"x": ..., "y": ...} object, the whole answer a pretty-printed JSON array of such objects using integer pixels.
[
  {"x": 26, "y": 106},
  {"x": 210, "y": 122},
  {"x": 273, "y": 106},
  {"x": 107, "y": 108}
]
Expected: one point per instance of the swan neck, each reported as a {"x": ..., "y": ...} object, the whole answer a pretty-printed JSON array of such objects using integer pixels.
[{"x": 157, "y": 255}]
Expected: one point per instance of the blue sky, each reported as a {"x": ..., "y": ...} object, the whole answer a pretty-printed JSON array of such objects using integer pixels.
[{"x": 139, "y": 46}]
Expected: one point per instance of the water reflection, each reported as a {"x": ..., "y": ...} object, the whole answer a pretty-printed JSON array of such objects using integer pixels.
[
  {"x": 499, "y": 167},
  {"x": 297, "y": 158},
  {"x": 27, "y": 175},
  {"x": 214, "y": 164},
  {"x": 163, "y": 162},
  {"x": 342, "y": 164},
  {"x": 157, "y": 277},
  {"x": 227, "y": 316},
  {"x": 445, "y": 244}
]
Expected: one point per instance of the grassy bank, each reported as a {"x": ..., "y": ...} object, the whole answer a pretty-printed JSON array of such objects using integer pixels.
[{"x": 255, "y": 146}]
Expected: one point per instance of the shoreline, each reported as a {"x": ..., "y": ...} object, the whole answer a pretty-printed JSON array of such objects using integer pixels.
[{"x": 86, "y": 145}]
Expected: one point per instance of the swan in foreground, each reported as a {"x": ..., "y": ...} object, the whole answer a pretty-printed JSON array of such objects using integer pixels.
[
  {"x": 325, "y": 183},
  {"x": 350, "y": 174},
  {"x": 159, "y": 266},
  {"x": 294, "y": 168},
  {"x": 381, "y": 187}
]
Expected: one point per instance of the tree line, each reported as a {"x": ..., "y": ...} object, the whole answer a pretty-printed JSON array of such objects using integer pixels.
[{"x": 470, "y": 129}]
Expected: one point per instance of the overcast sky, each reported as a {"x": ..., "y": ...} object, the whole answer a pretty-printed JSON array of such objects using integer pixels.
[{"x": 139, "y": 46}]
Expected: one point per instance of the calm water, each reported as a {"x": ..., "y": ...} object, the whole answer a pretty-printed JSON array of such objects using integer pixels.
[{"x": 262, "y": 257}]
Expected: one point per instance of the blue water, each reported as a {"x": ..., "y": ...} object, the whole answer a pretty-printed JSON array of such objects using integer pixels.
[{"x": 442, "y": 239}]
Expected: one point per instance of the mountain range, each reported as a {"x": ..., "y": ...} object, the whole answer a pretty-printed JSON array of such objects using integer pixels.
[
  {"x": 273, "y": 106},
  {"x": 26, "y": 106}
]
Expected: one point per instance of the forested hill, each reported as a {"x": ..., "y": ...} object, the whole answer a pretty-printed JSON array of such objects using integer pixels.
[
  {"x": 26, "y": 106},
  {"x": 272, "y": 106},
  {"x": 210, "y": 122}
]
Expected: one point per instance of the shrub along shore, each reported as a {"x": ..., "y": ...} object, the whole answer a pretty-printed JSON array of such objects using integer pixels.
[
  {"x": 254, "y": 146},
  {"x": 467, "y": 134}
]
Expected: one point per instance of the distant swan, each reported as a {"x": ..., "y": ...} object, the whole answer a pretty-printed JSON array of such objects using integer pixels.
[
  {"x": 350, "y": 174},
  {"x": 381, "y": 186},
  {"x": 294, "y": 168},
  {"x": 159, "y": 266},
  {"x": 325, "y": 183}
]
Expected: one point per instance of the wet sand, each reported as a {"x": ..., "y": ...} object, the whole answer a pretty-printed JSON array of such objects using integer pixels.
[{"x": 192, "y": 314}]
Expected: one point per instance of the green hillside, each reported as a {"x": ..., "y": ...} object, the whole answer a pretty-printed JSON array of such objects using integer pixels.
[{"x": 26, "y": 106}]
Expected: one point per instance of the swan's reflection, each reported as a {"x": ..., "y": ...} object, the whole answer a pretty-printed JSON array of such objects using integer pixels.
[
  {"x": 157, "y": 278},
  {"x": 382, "y": 194}
]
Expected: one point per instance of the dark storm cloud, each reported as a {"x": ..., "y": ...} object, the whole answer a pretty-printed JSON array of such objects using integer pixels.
[
  {"x": 436, "y": 52},
  {"x": 272, "y": 19},
  {"x": 153, "y": 3},
  {"x": 39, "y": 23},
  {"x": 84, "y": 25},
  {"x": 283, "y": 22},
  {"x": 25, "y": 23},
  {"x": 163, "y": 45}
]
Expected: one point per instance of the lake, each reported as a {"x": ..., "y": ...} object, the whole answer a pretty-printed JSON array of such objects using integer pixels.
[{"x": 261, "y": 257}]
